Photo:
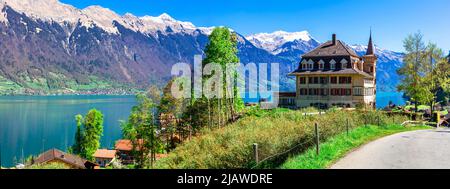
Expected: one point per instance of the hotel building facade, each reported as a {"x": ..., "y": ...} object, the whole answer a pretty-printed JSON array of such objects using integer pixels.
[{"x": 334, "y": 75}]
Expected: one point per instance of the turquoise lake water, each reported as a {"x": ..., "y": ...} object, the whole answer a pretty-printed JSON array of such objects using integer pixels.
[{"x": 30, "y": 125}]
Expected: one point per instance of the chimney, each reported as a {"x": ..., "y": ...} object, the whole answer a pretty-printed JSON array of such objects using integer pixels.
[{"x": 334, "y": 39}]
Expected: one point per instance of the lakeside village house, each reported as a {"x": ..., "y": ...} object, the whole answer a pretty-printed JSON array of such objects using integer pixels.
[
  {"x": 103, "y": 157},
  {"x": 333, "y": 75}
]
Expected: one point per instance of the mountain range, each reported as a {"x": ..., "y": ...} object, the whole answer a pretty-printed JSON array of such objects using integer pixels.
[{"x": 47, "y": 47}]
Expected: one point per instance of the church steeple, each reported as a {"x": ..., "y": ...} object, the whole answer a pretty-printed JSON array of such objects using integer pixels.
[{"x": 370, "y": 49}]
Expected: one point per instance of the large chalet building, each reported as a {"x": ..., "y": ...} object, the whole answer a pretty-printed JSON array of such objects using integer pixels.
[{"x": 334, "y": 75}]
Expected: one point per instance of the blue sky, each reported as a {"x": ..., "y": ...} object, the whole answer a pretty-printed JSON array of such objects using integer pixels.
[{"x": 391, "y": 20}]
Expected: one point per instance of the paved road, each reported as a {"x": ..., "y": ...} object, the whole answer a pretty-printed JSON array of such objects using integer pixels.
[{"x": 425, "y": 149}]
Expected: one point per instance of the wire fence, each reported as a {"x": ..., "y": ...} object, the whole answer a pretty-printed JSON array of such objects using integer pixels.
[
  {"x": 315, "y": 141},
  {"x": 298, "y": 146}
]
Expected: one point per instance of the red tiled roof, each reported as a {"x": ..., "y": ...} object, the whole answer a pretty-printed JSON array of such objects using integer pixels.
[
  {"x": 159, "y": 156},
  {"x": 126, "y": 145},
  {"x": 70, "y": 159},
  {"x": 105, "y": 153}
]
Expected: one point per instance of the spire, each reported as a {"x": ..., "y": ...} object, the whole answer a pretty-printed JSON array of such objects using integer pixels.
[{"x": 370, "y": 45}]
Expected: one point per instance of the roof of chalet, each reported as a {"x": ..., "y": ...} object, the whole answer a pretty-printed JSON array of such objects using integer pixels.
[
  {"x": 105, "y": 153},
  {"x": 347, "y": 71},
  {"x": 55, "y": 154},
  {"x": 330, "y": 49},
  {"x": 125, "y": 145}
]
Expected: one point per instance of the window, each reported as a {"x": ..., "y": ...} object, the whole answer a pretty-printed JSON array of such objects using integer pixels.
[
  {"x": 332, "y": 64},
  {"x": 321, "y": 64},
  {"x": 324, "y": 92},
  {"x": 323, "y": 80},
  {"x": 357, "y": 91},
  {"x": 310, "y": 64},
  {"x": 304, "y": 65},
  {"x": 348, "y": 92},
  {"x": 368, "y": 91},
  {"x": 334, "y": 80},
  {"x": 302, "y": 80},
  {"x": 345, "y": 80},
  {"x": 344, "y": 63},
  {"x": 337, "y": 92},
  {"x": 313, "y": 80},
  {"x": 303, "y": 91}
]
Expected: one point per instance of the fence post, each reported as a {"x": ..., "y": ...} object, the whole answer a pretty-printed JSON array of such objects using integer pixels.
[
  {"x": 255, "y": 152},
  {"x": 316, "y": 129},
  {"x": 365, "y": 122},
  {"x": 347, "y": 126}
]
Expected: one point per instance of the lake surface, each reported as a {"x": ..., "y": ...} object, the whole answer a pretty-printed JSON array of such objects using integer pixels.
[
  {"x": 30, "y": 125},
  {"x": 383, "y": 99}
]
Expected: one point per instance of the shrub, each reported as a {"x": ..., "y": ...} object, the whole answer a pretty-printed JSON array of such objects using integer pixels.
[{"x": 275, "y": 131}]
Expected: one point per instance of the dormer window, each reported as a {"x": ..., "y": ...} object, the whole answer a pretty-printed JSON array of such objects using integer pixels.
[
  {"x": 321, "y": 64},
  {"x": 332, "y": 64},
  {"x": 344, "y": 63},
  {"x": 310, "y": 64},
  {"x": 304, "y": 65}
]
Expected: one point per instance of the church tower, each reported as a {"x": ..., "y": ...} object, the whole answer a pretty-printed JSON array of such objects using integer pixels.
[
  {"x": 370, "y": 64},
  {"x": 370, "y": 59}
]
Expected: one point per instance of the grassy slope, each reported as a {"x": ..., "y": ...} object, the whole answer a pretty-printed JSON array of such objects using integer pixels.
[
  {"x": 275, "y": 131},
  {"x": 337, "y": 147}
]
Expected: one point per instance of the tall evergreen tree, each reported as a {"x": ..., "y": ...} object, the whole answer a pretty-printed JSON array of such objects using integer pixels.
[
  {"x": 76, "y": 148},
  {"x": 141, "y": 130}
]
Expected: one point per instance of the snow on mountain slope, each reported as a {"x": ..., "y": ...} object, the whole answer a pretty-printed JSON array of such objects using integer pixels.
[
  {"x": 47, "y": 10},
  {"x": 2, "y": 14},
  {"x": 55, "y": 11},
  {"x": 382, "y": 54},
  {"x": 105, "y": 18},
  {"x": 273, "y": 41}
]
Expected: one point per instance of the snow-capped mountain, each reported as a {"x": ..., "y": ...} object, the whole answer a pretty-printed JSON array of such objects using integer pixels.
[
  {"x": 55, "y": 11},
  {"x": 281, "y": 41},
  {"x": 46, "y": 45},
  {"x": 387, "y": 65}
]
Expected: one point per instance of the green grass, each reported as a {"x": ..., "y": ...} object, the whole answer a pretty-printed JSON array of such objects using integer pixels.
[
  {"x": 275, "y": 132},
  {"x": 49, "y": 166},
  {"x": 338, "y": 146},
  {"x": 420, "y": 107}
]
